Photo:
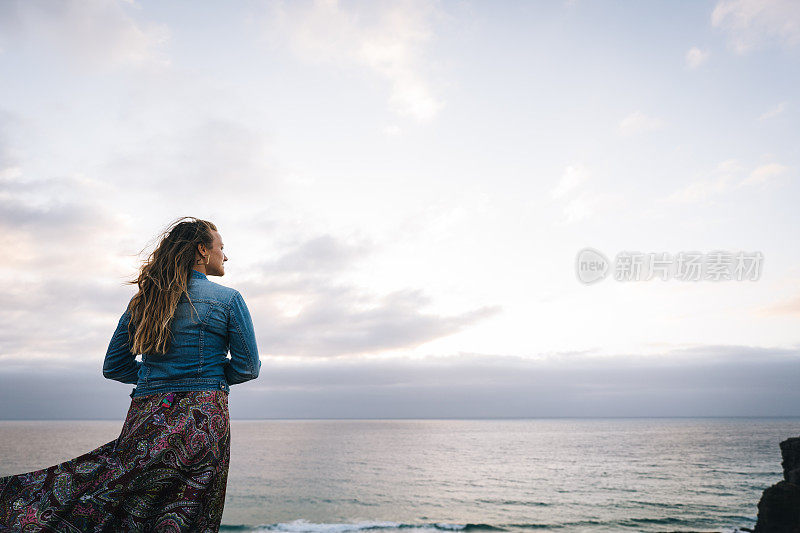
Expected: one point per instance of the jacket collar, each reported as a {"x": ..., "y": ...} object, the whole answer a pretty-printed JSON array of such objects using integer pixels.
[{"x": 197, "y": 274}]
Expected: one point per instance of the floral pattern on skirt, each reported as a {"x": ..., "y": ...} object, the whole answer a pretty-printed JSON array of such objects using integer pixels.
[{"x": 167, "y": 471}]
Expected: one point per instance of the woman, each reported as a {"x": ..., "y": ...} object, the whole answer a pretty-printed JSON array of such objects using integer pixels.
[{"x": 168, "y": 469}]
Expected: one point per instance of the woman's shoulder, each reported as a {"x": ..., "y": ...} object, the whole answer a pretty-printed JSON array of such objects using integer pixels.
[{"x": 213, "y": 290}]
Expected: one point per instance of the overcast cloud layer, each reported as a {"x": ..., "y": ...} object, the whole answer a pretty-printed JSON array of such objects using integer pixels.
[{"x": 402, "y": 189}]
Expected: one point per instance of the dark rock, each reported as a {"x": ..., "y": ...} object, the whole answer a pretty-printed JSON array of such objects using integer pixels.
[
  {"x": 779, "y": 508},
  {"x": 790, "y": 450}
]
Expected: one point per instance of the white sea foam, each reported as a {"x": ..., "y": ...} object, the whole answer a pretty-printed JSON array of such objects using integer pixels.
[{"x": 304, "y": 526}]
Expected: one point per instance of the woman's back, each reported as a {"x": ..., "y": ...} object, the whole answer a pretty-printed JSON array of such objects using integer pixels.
[{"x": 206, "y": 324}]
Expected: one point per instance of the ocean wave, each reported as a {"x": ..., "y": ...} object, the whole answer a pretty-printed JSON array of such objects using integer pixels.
[{"x": 304, "y": 526}]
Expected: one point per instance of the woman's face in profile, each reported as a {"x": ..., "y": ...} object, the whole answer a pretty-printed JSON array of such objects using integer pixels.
[{"x": 216, "y": 263}]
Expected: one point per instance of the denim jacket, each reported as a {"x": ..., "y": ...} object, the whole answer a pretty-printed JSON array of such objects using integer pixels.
[{"x": 201, "y": 336}]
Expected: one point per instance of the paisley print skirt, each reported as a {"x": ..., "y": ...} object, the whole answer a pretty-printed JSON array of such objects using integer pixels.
[{"x": 167, "y": 471}]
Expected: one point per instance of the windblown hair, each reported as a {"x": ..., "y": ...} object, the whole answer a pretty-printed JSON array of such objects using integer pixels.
[{"x": 163, "y": 279}]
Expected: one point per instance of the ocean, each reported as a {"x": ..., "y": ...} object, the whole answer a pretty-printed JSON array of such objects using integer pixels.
[{"x": 566, "y": 475}]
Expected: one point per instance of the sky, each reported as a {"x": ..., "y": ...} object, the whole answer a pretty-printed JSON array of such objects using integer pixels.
[{"x": 404, "y": 189}]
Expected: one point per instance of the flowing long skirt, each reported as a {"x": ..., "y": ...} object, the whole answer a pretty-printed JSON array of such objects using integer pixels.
[{"x": 167, "y": 471}]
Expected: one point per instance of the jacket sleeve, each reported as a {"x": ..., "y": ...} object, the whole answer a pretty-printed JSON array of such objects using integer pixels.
[
  {"x": 244, "y": 363},
  {"x": 120, "y": 364}
]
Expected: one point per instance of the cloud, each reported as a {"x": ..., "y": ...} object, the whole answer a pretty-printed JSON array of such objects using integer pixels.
[
  {"x": 299, "y": 305},
  {"x": 701, "y": 190},
  {"x": 93, "y": 33},
  {"x": 53, "y": 274},
  {"x": 322, "y": 254},
  {"x": 9, "y": 155},
  {"x": 790, "y": 307},
  {"x": 773, "y": 112},
  {"x": 389, "y": 39},
  {"x": 49, "y": 206},
  {"x": 80, "y": 316},
  {"x": 751, "y": 24},
  {"x": 573, "y": 176},
  {"x": 726, "y": 177},
  {"x": 301, "y": 309},
  {"x": 638, "y": 122},
  {"x": 44, "y": 221},
  {"x": 208, "y": 158},
  {"x": 696, "y": 57},
  {"x": 392, "y": 130},
  {"x": 763, "y": 174},
  {"x": 580, "y": 203},
  {"x": 586, "y": 205},
  {"x": 704, "y": 380}
]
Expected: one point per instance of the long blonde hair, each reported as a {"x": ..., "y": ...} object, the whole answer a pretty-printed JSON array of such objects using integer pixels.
[{"x": 163, "y": 279}]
